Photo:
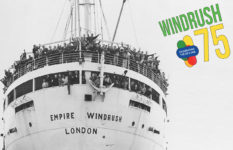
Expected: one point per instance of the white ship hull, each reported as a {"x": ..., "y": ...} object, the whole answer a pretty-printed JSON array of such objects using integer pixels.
[{"x": 67, "y": 122}]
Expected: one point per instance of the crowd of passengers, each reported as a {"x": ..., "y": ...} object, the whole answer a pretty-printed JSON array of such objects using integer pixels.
[
  {"x": 119, "y": 81},
  {"x": 60, "y": 79},
  {"x": 121, "y": 54}
]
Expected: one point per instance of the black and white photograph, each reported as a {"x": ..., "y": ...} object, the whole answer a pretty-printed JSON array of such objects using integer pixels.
[{"x": 116, "y": 75}]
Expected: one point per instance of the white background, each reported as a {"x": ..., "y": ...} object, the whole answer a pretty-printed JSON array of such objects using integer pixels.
[{"x": 200, "y": 98}]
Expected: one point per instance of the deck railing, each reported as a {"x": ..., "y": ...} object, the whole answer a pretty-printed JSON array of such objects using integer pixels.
[{"x": 93, "y": 56}]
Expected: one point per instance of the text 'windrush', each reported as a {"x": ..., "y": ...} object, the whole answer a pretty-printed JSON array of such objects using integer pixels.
[{"x": 191, "y": 20}]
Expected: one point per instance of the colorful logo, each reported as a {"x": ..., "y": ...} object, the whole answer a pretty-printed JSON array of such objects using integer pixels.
[{"x": 187, "y": 51}]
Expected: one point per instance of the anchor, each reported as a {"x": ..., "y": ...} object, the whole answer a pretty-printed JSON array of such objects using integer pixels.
[{"x": 101, "y": 89}]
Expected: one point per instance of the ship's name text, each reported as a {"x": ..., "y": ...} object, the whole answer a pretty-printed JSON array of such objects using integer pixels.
[
  {"x": 62, "y": 116},
  {"x": 90, "y": 115},
  {"x": 80, "y": 130},
  {"x": 108, "y": 117}
]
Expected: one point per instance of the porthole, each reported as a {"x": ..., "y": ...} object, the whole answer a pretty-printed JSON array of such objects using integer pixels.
[
  {"x": 133, "y": 123},
  {"x": 143, "y": 126}
]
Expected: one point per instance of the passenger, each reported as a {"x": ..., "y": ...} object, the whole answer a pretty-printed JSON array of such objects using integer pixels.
[
  {"x": 37, "y": 54},
  {"x": 97, "y": 81},
  {"x": 139, "y": 88},
  {"x": 83, "y": 78},
  {"x": 132, "y": 85},
  {"x": 60, "y": 81},
  {"x": 144, "y": 68},
  {"x": 128, "y": 58},
  {"x": 4, "y": 82},
  {"x": 90, "y": 46},
  {"x": 44, "y": 50},
  {"x": 107, "y": 81},
  {"x": 68, "y": 47},
  {"x": 50, "y": 48},
  {"x": 138, "y": 61},
  {"x": 76, "y": 77},
  {"x": 64, "y": 46},
  {"x": 51, "y": 80},
  {"x": 136, "y": 88},
  {"x": 70, "y": 78},
  {"x": 23, "y": 56},
  {"x": 107, "y": 52},
  {"x": 125, "y": 57},
  {"x": 64, "y": 80},
  {"x": 83, "y": 42},
  {"x": 92, "y": 38},
  {"x": 69, "y": 81},
  {"x": 93, "y": 77},
  {"x": 48, "y": 80},
  {"x": 55, "y": 48},
  {"x": 95, "y": 54},
  {"x": 110, "y": 53},
  {"x": 148, "y": 92},
  {"x": 116, "y": 81},
  {"x": 34, "y": 50},
  {"x": 116, "y": 57},
  {"x": 45, "y": 84},
  {"x": 55, "y": 81},
  {"x": 143, "y": 89},
  {"x": 40, "y": 50},
  {"x": 125, "y": 84}
]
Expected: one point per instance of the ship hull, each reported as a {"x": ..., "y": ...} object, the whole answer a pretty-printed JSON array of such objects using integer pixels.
[{"x": 61, "y": 121}]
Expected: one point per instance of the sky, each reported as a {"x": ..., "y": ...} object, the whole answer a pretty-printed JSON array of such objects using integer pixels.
[{"x": 200, "y": 103}]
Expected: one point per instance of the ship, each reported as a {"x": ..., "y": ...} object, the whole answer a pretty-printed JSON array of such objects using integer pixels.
[{"x": 85, "y": 93}]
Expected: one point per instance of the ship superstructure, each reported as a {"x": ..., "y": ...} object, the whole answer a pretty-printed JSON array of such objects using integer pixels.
[{"x": 85, "y": 94}]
